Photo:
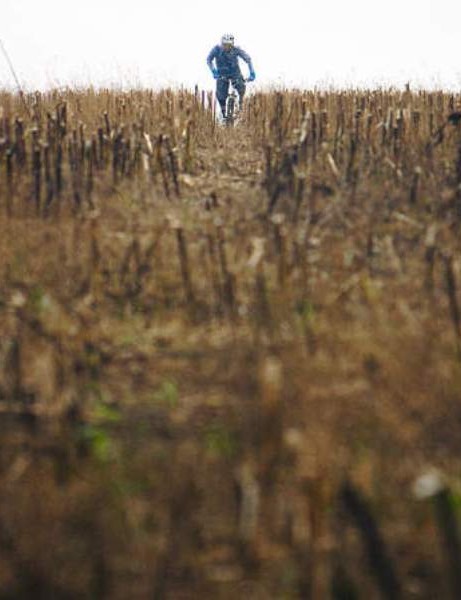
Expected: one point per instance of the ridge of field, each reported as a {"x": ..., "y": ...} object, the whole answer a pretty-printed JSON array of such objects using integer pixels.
[{"x": 228, "y": 354}]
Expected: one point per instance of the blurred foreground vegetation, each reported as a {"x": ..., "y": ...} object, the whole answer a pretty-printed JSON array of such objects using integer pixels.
[{"x": 230, "y": 357}]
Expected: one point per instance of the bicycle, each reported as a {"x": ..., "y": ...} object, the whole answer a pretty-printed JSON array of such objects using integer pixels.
[{"x": 232, "y": 103}]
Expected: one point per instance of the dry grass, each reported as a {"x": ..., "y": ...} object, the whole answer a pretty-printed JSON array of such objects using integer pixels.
[{"x": 227, "y": 354}]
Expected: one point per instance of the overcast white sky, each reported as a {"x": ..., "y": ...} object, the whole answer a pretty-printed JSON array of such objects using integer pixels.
[{"x": 293, "y": 42}]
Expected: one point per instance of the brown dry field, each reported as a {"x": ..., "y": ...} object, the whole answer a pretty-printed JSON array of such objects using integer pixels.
[{"x": 228, "y": 354}]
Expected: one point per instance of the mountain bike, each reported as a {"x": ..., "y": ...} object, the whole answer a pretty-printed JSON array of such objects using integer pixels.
[{"x": 232, "y": 105}]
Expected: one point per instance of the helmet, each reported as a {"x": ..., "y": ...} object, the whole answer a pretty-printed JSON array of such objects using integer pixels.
[{"x": 227, "y": 39}]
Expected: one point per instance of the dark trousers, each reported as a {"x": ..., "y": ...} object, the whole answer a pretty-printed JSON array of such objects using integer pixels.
[{"x": 222, "y": 90}]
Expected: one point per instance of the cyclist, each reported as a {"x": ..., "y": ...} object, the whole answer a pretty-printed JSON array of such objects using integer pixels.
[{"x": 223, "y": 62}]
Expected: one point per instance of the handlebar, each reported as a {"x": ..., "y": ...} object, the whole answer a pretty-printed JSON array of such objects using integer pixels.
[{"x": 245, "y": 79}]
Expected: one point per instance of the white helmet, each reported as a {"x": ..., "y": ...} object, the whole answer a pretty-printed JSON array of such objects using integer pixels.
[{"x": 227, "y": 39}]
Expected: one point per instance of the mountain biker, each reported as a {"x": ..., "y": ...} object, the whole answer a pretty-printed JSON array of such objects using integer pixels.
[{"x": 223, "y": 62}]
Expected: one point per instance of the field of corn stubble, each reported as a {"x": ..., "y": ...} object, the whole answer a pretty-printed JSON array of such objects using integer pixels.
[{"x": 230, "y": 358}]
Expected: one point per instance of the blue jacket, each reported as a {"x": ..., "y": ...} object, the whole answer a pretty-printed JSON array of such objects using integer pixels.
[{"x": 227, "y": 61}]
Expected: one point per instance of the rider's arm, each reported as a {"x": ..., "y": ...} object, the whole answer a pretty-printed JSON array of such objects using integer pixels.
[
  {"x": 211, "y": 58},
  {"x": 246, "y": 57}
]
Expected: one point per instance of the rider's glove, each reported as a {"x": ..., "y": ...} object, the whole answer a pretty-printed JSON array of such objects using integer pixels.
[
  {"x": 215, "y": 73},
  {"x": 252, "y": 76}
]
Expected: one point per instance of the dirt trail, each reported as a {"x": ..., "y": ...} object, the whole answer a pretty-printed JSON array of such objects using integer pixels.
[{"x": 231, "y": 164}]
